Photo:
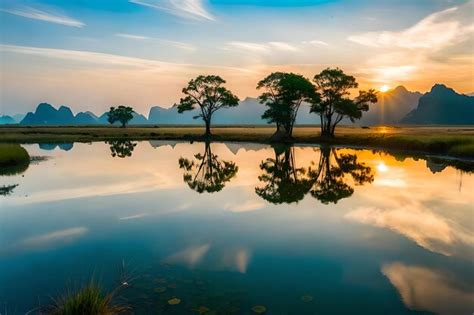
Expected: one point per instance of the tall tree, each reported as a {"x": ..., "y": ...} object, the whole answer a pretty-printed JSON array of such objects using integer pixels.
[
  {"x": 334, "y": 104},
  {"x": 207, "y": 173},
  {"x": 283, "y": 95},
  {"x": 209, "y": 95},
  {"x": 123, "y": 114}
]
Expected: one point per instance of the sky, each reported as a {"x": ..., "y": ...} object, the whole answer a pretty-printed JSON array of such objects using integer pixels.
[{"x": 93, "y": 54}]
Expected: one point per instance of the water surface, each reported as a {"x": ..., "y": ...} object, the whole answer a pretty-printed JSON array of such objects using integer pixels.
[{"x": 225, "y": 227}]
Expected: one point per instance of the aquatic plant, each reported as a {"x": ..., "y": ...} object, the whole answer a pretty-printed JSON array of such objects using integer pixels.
[
  {"x": 14, "y": 159},
  {"x": 90, "y": 300}
]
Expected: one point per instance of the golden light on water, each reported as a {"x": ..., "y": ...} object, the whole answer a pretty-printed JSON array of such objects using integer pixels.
[{"x": 382, "y": 167}]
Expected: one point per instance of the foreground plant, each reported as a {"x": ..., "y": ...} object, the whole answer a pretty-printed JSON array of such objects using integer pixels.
[{"x": 89, "y": 300}]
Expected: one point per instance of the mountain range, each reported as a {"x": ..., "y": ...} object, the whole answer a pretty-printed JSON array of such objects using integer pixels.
[{"x": 442, "y": 105}]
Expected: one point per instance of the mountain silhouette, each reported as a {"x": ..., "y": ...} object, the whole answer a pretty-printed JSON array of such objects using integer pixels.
[
  {"x": 7, "y": 120},
  {"x": 442, "y": 106}
]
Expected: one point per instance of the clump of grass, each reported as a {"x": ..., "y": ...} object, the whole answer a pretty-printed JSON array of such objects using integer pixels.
[
  {"x": 89, "y": 300},
  {"x": 14, "y": 159}
]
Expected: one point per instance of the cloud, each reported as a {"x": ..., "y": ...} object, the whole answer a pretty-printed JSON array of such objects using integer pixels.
[
  {"x": 110, "y": 59},
  {"x": 398, "y": 57},
  {"x": 438, "y": 30},
  {"x": 264, "y": 48},
  {"x": 188, "y": 9},
  {"x": 177, "y": 44},
  {"x": 131, "y": 36},
  {"x": 32, "y": 13},
  {"x": 315, "y": 43},
  {"x": 430, "y": 290}
]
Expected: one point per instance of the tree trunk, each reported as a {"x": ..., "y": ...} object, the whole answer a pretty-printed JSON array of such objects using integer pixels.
[{"x": 208, "y": 128}]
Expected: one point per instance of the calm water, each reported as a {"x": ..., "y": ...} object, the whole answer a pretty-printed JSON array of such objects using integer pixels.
[{"x": 226, "y": 227}]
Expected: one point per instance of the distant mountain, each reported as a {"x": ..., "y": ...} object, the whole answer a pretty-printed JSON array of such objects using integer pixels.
[
  {"x": 45, "y": 114},
  {"x": 442, "y": 106},
  {"x": 7, "y": 120},
  {"x": 391, "y": 108}
]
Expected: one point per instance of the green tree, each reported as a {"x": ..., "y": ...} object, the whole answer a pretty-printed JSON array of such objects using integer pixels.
[
  {"x": 209, "y": 95},
  {"x": 207, "y": 173},
  {"x": 283, "y": 95},
  {"x": 123, "y": 114},
  {"x": 329, "y": 178},
  {"x": 284, "y": 182},
  {"x": 334, "y": 104}
]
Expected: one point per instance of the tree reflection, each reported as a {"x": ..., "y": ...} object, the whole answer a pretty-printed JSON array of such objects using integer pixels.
[
  {"x": 329, "y": 178},
  {"x": 284, "y": 182},
  {"x": 7, "y": 190},
  {"x": 207, "y": 173},
  {"x": 121, "y": 148}
]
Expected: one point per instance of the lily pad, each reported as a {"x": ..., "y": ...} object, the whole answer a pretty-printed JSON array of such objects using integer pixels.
[
  {"x": 174, "y": 301},
  {"x": 160, "y": 290},
  {"x": 259, "y": 309},
  {"x": 202, "y": 310},
  {"x": 307, "y": 298}
]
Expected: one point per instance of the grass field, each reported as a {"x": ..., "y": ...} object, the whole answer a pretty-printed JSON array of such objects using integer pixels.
[{"x": 452, "y": 141}]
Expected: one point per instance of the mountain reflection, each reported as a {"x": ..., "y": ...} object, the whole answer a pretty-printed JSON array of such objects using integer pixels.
[
  {"x": 207, "y": 173},
  {"x": 121, "y": 148},
  {"x": 326, "y": 180}
]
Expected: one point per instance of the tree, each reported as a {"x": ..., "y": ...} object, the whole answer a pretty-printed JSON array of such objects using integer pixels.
[
  {"x": 207, "y": 173},
  {"x": 329, "y": 178},
  {"x": 121, "y": 148},
  {"x": 283, "y": 95},
  {"x": 123, "y": 114},
  {"x": 284, "y": 182},
  {"x": 334, "y": 104},
  {"x": 207, "y": 93}
]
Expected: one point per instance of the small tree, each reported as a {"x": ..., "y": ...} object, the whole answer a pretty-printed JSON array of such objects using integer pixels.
[
  {"x": 207, "y": 93},
  {"x": 284, "y": 93},
  {"x": 123, "y": 114},
  {"x": 334, "y": 104}
]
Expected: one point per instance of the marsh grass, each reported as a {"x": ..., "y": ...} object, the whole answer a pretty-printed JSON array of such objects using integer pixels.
[
  {"x": 90, "y": 300},
  {"x": 14, "y": 159},
  {"x": 453, "y": 141}
]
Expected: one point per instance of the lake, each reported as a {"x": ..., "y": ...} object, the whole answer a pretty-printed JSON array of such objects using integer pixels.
[{"x": 225, "y": 227}]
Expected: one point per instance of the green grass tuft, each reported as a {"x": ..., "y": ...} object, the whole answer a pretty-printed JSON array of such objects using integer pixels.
[
  {"x": 14, "y": 159},
  {"x": 89, "y": 300}
]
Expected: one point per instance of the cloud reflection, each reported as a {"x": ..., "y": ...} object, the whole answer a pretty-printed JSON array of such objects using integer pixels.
[{"x": 429, "y": 290}]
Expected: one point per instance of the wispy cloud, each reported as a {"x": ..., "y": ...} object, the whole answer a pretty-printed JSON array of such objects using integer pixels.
[
  {"x": 36, "y": 14},
  {"x": 315, "y": 43},
  {"x": 434, "y": 41},
  {"x": 111, "y": 59},
  {"x": 131, "y": 36},
  {"x": 436, "y": 31},
  {"x": 177, "y": 44},
  {"x": 188, "y": 9},
  {"x": 266, "y": 47}
]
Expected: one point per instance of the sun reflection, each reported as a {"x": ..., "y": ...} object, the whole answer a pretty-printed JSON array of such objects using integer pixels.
[{"x": 382, "y": 167}]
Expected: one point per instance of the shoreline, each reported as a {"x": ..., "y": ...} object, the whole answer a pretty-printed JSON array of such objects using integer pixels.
[{"x": 446, "y": 141}]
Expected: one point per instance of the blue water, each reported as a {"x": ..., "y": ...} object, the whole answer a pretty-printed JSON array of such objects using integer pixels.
[{"x": 398, "y": 239}]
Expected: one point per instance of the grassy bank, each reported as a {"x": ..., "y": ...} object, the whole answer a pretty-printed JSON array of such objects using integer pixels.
[
  {"x": 14, "y": 159},
  {"x": 452, "y": 141}
]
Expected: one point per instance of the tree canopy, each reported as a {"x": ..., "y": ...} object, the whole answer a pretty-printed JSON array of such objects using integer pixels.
[
  {"x": 123, "y": 114},
  {"x": 335, "y": 104},
  {"x": 283, "y": 95},
  {"x": 209, "y": 95},
  {"x": 121, "y": 148}
]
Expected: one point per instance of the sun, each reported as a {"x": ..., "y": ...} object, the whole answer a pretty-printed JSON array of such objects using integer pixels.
[{"x": 384, "y": 88}]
